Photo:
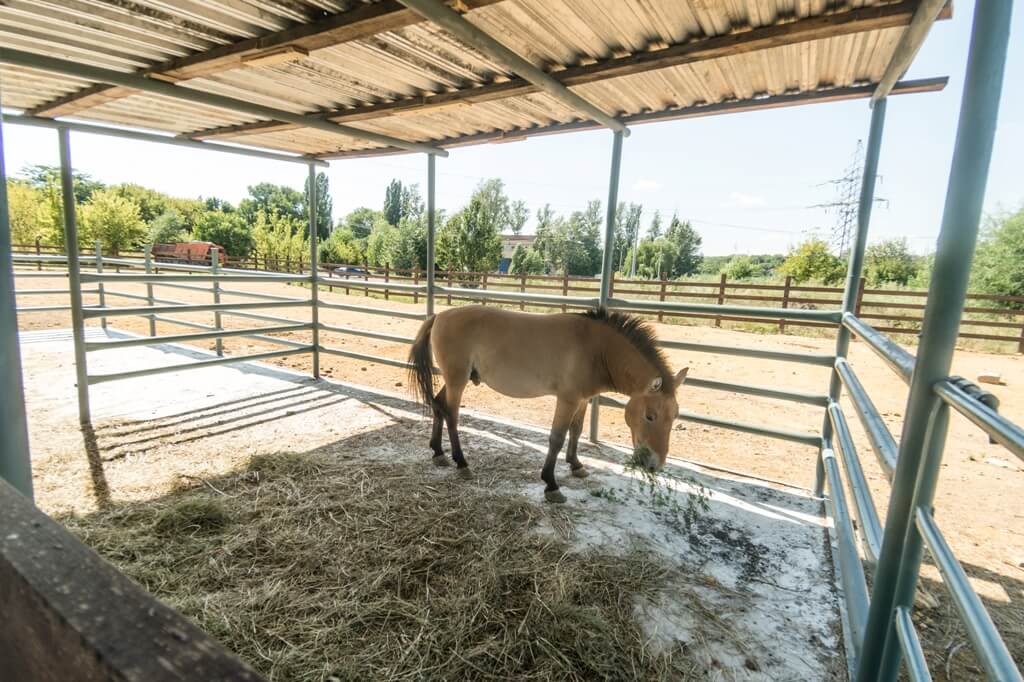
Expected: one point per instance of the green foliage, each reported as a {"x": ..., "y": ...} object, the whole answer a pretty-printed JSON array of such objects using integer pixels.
[
  {"x": 360, "y": 221},
  {"x": 324, "y": 204},
  {"x": 571, "y": 245},
  {"x": 813, "y": 260},
  {"x": 270, "y": 199},
  {"x": 167, "y": 228},
  {"x": 43, "y": 176},
  {"x": 29, "y": 215},
  {"x": 999, "y": 263},
  {"x": 402, "y": 202},
  {"x": 150, "y": 202},
  {"x": 343, "y": 247},
  {"x": 217, "y": 204},
  {"x": 526, "y": 261},
  {"x": 687, "y": 242},
  {"x": 111, "y": 219},
  {"x": 277, "y": 237},
  {"x": 627, "y": 229},
  {"x": 654, "y": 229},
  {"x": 518, "y": 214},
  {"x": 655, "y": 256},
  {"x": 227, "y": 230},
  {"x": 382, "y": 243},
  {"x": 740, "y": 267},
  {"x": 889, "y": 262}
]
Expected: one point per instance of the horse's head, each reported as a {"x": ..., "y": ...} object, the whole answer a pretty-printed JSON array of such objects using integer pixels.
[{"x": 650, "y": 415}]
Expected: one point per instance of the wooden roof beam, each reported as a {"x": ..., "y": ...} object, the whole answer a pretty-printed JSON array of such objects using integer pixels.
[
  {"x": 821, "y": 96},
  {"x": 362, "y": 22},
  {"x": 742, "y": 42},
  {"x": 910, "y": 42}
]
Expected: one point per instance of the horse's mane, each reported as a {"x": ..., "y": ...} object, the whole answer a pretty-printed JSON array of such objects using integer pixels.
[{"x": 641, "y": 336}]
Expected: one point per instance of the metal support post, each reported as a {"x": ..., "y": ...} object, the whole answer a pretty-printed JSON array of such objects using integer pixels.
[
  {"x": 431, "y": 230},
  {"x": 74, "y": 272},
  {"x": 148, "y": 255},
  {"x": 314, "y": 284},
  {"x": 214, "y": 268},
  {"x": 923, "y": 435},
  {"x": 606, "y": 260},
  {"x": 99, "y": 285},
  {"x": 855, "y": 266},
  {"x": 15, "y": 461}
]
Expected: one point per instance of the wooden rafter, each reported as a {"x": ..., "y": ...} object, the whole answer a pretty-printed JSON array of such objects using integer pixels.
[
  {"x": 741, "y": 42},
  {"x": 822, "y": 96},
  {"x": 362, "y": 22}
]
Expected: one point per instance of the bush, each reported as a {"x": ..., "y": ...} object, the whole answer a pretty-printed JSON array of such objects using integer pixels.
[
  {"x": 999, "y": 263},
  {"x": 342, "y": 247},
  {"x": 29, "y": 215},
  {"x": 167, "y": 228},
  {"x": 813, "y": 260},
  {"x": 112, "y": 220},
  {"x": 526, "y": 262},
  {"x": 740, "y": 267},
  {"x": 227, "y": 230},
  {"x": 890, "y": 262}
]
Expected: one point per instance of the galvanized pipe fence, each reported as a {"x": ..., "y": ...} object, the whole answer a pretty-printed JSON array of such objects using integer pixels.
[{"x": 878, "y": 623}]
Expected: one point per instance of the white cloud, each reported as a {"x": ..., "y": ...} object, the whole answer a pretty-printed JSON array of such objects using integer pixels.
[
  {"x": 643, "y": 185},
  {"x": 746, "y": 200}
]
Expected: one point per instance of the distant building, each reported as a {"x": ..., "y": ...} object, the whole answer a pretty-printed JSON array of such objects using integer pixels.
[{"x": 509, "y": 242}]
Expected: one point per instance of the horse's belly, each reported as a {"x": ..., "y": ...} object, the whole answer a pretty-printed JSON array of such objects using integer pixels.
[{"x": 516, "y": 384}]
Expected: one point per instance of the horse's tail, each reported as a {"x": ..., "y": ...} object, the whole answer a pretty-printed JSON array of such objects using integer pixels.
[{"x": 421, "y": 374}]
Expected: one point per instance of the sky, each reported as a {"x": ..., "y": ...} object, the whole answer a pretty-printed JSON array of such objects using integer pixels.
[{"x": 748, "y": 182}]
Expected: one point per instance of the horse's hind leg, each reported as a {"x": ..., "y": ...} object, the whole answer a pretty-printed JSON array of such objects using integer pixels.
[
  {"x": 438, "y": 407},
  {"x": 453, "y": 398},
  {"x": 575, "y": 429},
  {"x": 564, "y": 413}
]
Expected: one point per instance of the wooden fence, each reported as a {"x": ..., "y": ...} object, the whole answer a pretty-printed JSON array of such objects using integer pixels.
[{"x": 894, "y": 311}]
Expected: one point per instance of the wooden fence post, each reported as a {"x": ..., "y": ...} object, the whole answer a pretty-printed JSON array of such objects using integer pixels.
[
  {"x": 288, "y": 263},
  {"x": 565, "y": 286},
  {"x": 721, "y": 298},
  {"x": 483, "y": 287},
  {"x": 39, "y": 252},
  {"x": 785, "y": 301},
  {"x": 1020, "y": 346},
  {"x": 661, "y": 295},
  {"x": 387, "y": 278},
  {"x": 416, "y": 281},
  {"x": 522, "y": 290},
  {"x": 860, "y": 296},
  {"x": 366, "y": 278},
  {"x": 449, "y": 286},
  {"x": 330, "y": 276}
]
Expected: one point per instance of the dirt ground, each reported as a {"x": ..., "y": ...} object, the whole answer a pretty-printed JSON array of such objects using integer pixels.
[{"x": 978, "y": 503}]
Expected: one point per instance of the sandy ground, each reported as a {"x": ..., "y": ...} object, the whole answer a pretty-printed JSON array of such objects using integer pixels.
[
  {"x": 978, "y": 503},
  {"x": 758, "y": 601}
]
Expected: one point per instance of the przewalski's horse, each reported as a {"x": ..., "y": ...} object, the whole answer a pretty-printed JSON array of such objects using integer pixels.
[{"x": 570, "y": 356}]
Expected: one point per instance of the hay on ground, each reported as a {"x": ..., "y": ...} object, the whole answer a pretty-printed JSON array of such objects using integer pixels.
[{"x": 316, "y": 568}]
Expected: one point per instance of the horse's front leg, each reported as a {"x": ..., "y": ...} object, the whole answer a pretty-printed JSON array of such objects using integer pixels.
[
  {"x": 575, "y": 429},
  {"x": 564, "y": 412}
]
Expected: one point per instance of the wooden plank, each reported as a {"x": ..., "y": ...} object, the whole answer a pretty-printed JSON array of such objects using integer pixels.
[
  {"x": 70, "y": 615},
  {"x": 362, "y": 22},
  {"x": 736, "y": 43},
  {"x": 771, "y": 102}
]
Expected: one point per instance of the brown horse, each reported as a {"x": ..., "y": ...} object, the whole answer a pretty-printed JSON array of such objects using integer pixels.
[{"x": 570, "y": 356}]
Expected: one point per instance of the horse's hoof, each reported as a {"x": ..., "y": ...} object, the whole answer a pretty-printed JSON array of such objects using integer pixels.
[
  {"x": 555, "y": 496},
  {"x": 580, "y": 472},
  {"x": 464, "y": 473},
  {"x": 440, "y": 460}
]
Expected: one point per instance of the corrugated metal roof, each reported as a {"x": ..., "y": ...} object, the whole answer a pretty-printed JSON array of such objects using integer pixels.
[{"x": 379, "y": 67}]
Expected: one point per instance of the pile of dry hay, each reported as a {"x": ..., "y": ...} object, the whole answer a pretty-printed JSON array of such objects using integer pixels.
[{"x": 348, "y": 569}]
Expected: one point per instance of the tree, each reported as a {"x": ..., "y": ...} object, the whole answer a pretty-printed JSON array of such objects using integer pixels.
[
  {"x": 890, "y": 262},
  {"x": 393, "y": 202},
  {"x": 360, "y": 222},
  {"x": 654, "y": 256},
  {"x": 654, "y": 230},
  {"x": 342, "y": 247},
  {"x": 112, "y": 220},
  {"x": 381, "y": 244},
  {"x": 279, "y": 238},
  {"x": 582, "y": 241},
  {"x": 627, "y": 230},
  {"x": 999, "y": 263},
  {"x": 168, "y": 227},
  {"x": 518, "y": 215},
  {"x": 41, "y": 176},
  {"x": 323, "y": 206},
  {"x": 150, "y": 202},
  {"x": 218, "y": 204},
  {"x": 29, "y": 215},
  {"x": 740, "y": 267},
  {"x": 687, "y": 242},
  {"x": 526, "y": 261},
  {"x": 270, "y": 198},
  {"x": 227, "y": 230},
  {"x": 470, "y": 239},
  {"x": 813, "y": 260}
]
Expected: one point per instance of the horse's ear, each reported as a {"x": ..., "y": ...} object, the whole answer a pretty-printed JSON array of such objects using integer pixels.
[
  {"x": 655, "y": 385},
  {"x": 681, "y": 376}
]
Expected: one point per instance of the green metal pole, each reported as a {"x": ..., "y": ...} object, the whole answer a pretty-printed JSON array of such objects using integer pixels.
[
  {"x": 15, "y": 461},
  {"x": 606, "y": 260},
  {"x": 899, "y": 562},
  {"x": 67, "y": 186},
  {"x": 856, "y": 264},
  {"x": 431, "y": 230},
  {"x": 314, "y": 267}
]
